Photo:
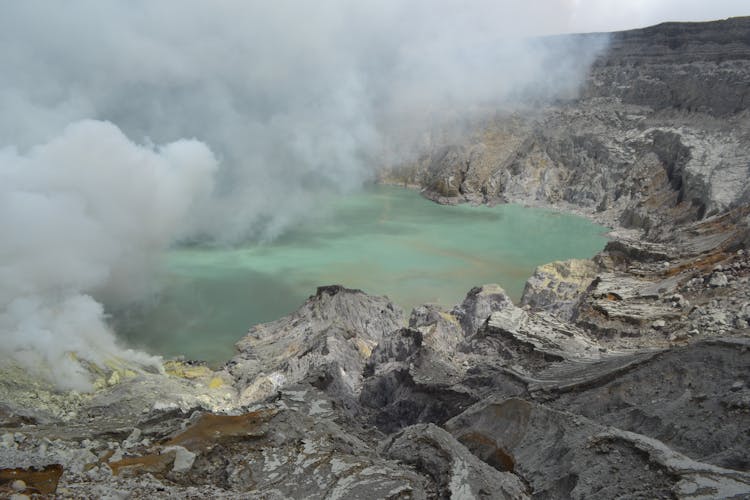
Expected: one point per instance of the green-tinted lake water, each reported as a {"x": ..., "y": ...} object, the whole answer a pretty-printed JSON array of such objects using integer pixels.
[{"x": 385, "y": 240}]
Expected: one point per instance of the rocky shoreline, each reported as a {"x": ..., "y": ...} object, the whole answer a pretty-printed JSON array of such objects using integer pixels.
[{"x": 622, "y": 376}]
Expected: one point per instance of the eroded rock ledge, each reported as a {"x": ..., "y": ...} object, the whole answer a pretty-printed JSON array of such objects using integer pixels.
[{"x": 623, "y": 376}]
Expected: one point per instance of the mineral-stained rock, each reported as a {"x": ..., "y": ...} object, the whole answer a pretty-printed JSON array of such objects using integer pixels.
[
  {"x": 563, "y": 455},
  {"x": 11, "y": 418},
  {"x": 302, "y": 453},
  {"x": 210, "y": 430},
  {"x": 441, "y": 331},
  {"x": 529, "y": 341},
  {"x": 456, "y": 472},
  {"x": 557, "y": 287},
  {"x": 291, "y": 447},
  {"x": 43, "y": 480},
  {"x": 623, "y": 305},
  {"x": 334, "y": 331},
  {"x": 155, "y": 463}
]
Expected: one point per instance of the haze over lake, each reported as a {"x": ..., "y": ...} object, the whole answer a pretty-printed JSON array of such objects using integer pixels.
[{"x": 384, "y": 240}]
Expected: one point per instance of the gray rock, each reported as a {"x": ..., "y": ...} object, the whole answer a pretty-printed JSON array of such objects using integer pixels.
[
  {"x": 718, "y": 280},
  {"x": 441, "y": 330},
  {"x": 557, "y": 287},
  {"x": 663, "y": 400},
  {"x": 658, "y": 136},
  {"x": 531, "y": 341},
  {"x": 183, "y": 460},
  {"x": 479, "y": 303},
  {"x": 330, "y": 336},
  {"x": 562, "y": 455},
  {"x": 132, "y": 439},
  {"x": 456, "y": 472},
  {"x": 407, "y": 382}
]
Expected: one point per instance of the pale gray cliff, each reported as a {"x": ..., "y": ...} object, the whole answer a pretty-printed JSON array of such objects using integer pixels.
[{"x": 660, "y": 134}]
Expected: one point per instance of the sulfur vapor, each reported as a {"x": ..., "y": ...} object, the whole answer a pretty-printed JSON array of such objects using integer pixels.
[
  {"x": 87, "y": 214},
  {"x": 288, "y": 101}
]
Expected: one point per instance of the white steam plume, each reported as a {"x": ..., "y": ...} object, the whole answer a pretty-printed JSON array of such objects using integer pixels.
[
  {"x": 88, "y": 213},
  {"x": 297, "y": 99}
]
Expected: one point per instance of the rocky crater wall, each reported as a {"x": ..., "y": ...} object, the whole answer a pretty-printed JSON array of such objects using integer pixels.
[
  {"x": 660, "y": 135},
  {"x": 695, "y": 67}
]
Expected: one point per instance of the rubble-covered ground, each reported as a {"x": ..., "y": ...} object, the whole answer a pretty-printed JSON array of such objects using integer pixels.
[{"x": 623, "y": 376}]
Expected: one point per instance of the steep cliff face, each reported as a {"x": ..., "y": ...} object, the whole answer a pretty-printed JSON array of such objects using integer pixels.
[
  {"x": 695, "y": 67},
  {"x": 661, "y": 134}
]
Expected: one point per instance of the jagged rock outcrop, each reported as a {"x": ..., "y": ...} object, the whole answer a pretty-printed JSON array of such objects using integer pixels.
[
  {"x": 441, "y": 331},
  {"x": 564, "y": 455},
  {"x": 536, "y": 406},
  {"x": 457, "y": 473},
  {"x": 607, "y": 367},
  {"x": 557, "y": 287},
  {"x": 692, "y": 398},
  {"x": 660, "y": 135},
  {"x": 479, "y": 303},
  {"x": 290, "y": 447},
  {"x": 696, "y": 67},
  {"x": 329, "y": 337},
  {"x": 408, "y": 382}
]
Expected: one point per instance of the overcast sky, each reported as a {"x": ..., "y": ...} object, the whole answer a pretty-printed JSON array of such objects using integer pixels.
[{"x": 613, "y": 15}]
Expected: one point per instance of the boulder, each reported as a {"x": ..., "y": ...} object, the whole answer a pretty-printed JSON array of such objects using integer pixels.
[
  {"x": 456, "y": 472},
  {"x": 331, "y": 336},
  {"x": 557, "y": 287}
]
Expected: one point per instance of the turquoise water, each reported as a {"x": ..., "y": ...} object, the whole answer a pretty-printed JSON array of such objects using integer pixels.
[{"x": 385, "y": 240}]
